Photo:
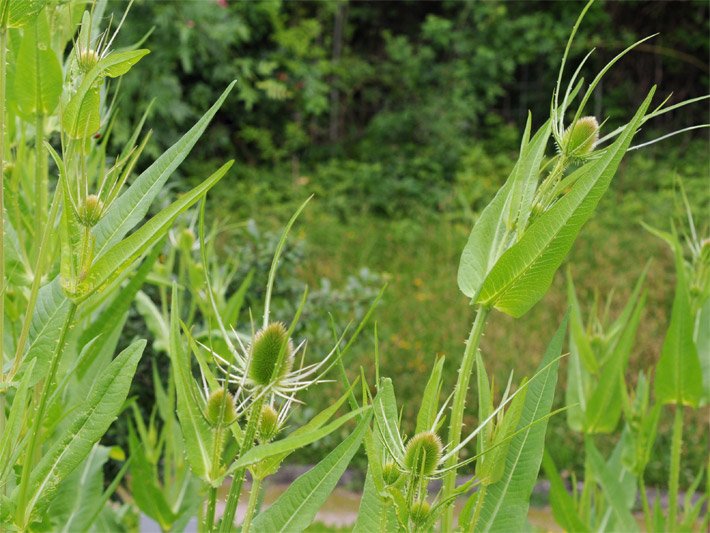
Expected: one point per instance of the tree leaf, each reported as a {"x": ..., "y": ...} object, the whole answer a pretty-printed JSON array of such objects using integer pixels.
[
  {"x": 296, "y": 508},
  {"x": 38, "y": 73},
  {"x": 93, "y": 417},
  {"x": 505, "y": 507},
  {"x": 524, "y": 272},
  {"x": 678, "y": 373},
  {"x": 492, "y": 231}
]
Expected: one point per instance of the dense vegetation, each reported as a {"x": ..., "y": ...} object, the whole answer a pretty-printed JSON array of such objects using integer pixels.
[{"x": 162, "y": 345}]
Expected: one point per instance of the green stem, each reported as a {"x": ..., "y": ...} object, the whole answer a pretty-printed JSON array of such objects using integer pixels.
[
  {"x": 479, "y": 506},
  {"x": 458, "y": 406},
  {"x": 251, "y": 508},
  {"x": 40, "y": 178},
  {"x": 644, "y": 503},
  {"x": 23, "y": 513},
  {"x": 211, "y": 509},
  {"x": 673, "y": 480},
  {"x": 238, "y": 478}
]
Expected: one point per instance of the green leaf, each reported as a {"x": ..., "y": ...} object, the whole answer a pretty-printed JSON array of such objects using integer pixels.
[
  {"x": 122, "y": 255},
  {"x": 703, "y": 344},
  {"x": 196, "y": 432},
  {"x": 10, "y": 436},
  {"x": 93, "y": 417},
  {"x": 524, "y": 272},
  {"x": 611, "y": 488},
  {"x": 296, "y": 508},
  {"x": 292, "y": 442},
  {"x": 130, "y": 208},
  {"x": 23, "y": 11},
  {"x": 505, "y": 507},
  {"x": 79, "y": 498},
  {"x": 499, "y": 219},
  {"x": 605, "y": 404},
  {"x": 429, "y": 405},
  {"x": 38, "y": 78},
  {"x": 678, "y": 373},
  {"x": 386, "y": 418},
  {"x": 563, "y": 506},
  {"x": 81, "y": 117}
]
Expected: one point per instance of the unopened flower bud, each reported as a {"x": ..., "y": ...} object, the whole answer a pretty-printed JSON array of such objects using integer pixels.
[
  {"x": 90, "y": 210},
  {"x": 390, "y": 473},
  {"x": 86, "y": 58},
  {"x": 420, "y": 512},
  {"x": 268, "y": 423},
  {"x": 220, "y": 408}
]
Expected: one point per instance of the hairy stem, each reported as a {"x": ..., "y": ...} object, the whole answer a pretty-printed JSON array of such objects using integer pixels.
[
  {"x": 673, "y": 480},
  {"x": 458, "y": 406},
  {"x": 477, "y": 509},
  {"x": 23, "y": 514},
  {"x": 211, "y": 509},
  {"x": 251, "y": 508},
  {"x": 238, "y": 478}
]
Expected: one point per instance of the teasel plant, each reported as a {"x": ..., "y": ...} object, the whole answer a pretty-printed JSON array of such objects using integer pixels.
[
  {"x": 61, "y": 386},
  {"x": 234, "y": 411},
  {"x": 522, "y": 236}
]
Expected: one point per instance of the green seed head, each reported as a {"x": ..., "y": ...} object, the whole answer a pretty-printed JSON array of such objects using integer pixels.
[
  {"x": 268, "y": 423},
  {"x": 390, "y": 473},
  {"x": 220, "y": 408},
  {"x": 86, "y": 59},
  {"x": 579, "y": 140},
  {"x": 7, "y": 168},
  {"x": 420, "y": 511},
  {"x": 265, "y": 365},
  {"x": 90, "y": 210},
  {"x": 423, "y": 453}
]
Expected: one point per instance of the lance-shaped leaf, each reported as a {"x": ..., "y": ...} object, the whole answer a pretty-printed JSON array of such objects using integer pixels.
[
  {"x": 9, "y": 439},
  {"x": 507, "y": 211},
  {"x": 604, "y": 407},
  {"x": 123, "y": 254},
  {"x": 38, "y": 73},
  {"x": 524, "y": 272},
  {"x": 505, "y": 507},
  {"x": 612, "y": 489},
  {"x": 678, "y": 373},
  {"x": 296, "y": 508},
  {"x": 130, "y": 208},
  {"x": 563, "y": 505},
  {"x": 196, "y": 432},
  {"x": 702, "y": 334},
  {"x": 429, "y": 405},
  {"x": 92, "y": 418}
]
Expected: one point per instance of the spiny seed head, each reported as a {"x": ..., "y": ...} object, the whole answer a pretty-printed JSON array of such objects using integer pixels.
[
  {"x": 420, "y": 511},
  {"x": 86, "y": 58},
  {"x": 268, "y": 423},
  {"x": 579, "y": 139},
  {"x": 90, "y": 210},
  {"x": 423, "y": 453},
  {"x": 390, "y": 473},
  {"x": 264, "y": 366},
  {"x": 220, "y": 408}
]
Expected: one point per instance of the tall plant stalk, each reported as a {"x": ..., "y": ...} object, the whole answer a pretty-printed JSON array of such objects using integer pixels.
[
  {"x": 3, "y": 106},
  {"x": 23, "y": 514},
  {"x": 459, "y": 404},
  {"x": 238, "y": 478},
  {"x": 251, "y": 507},
  {"x": 674, "y": 478}
]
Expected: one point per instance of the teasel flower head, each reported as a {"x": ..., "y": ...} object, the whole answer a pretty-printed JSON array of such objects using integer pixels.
[
  {"x": 86, "y": 58},
  {"x": 420, "y": 512},
  {"x": 579, "y": 139},
  {"x": 221, "y": 411}
]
